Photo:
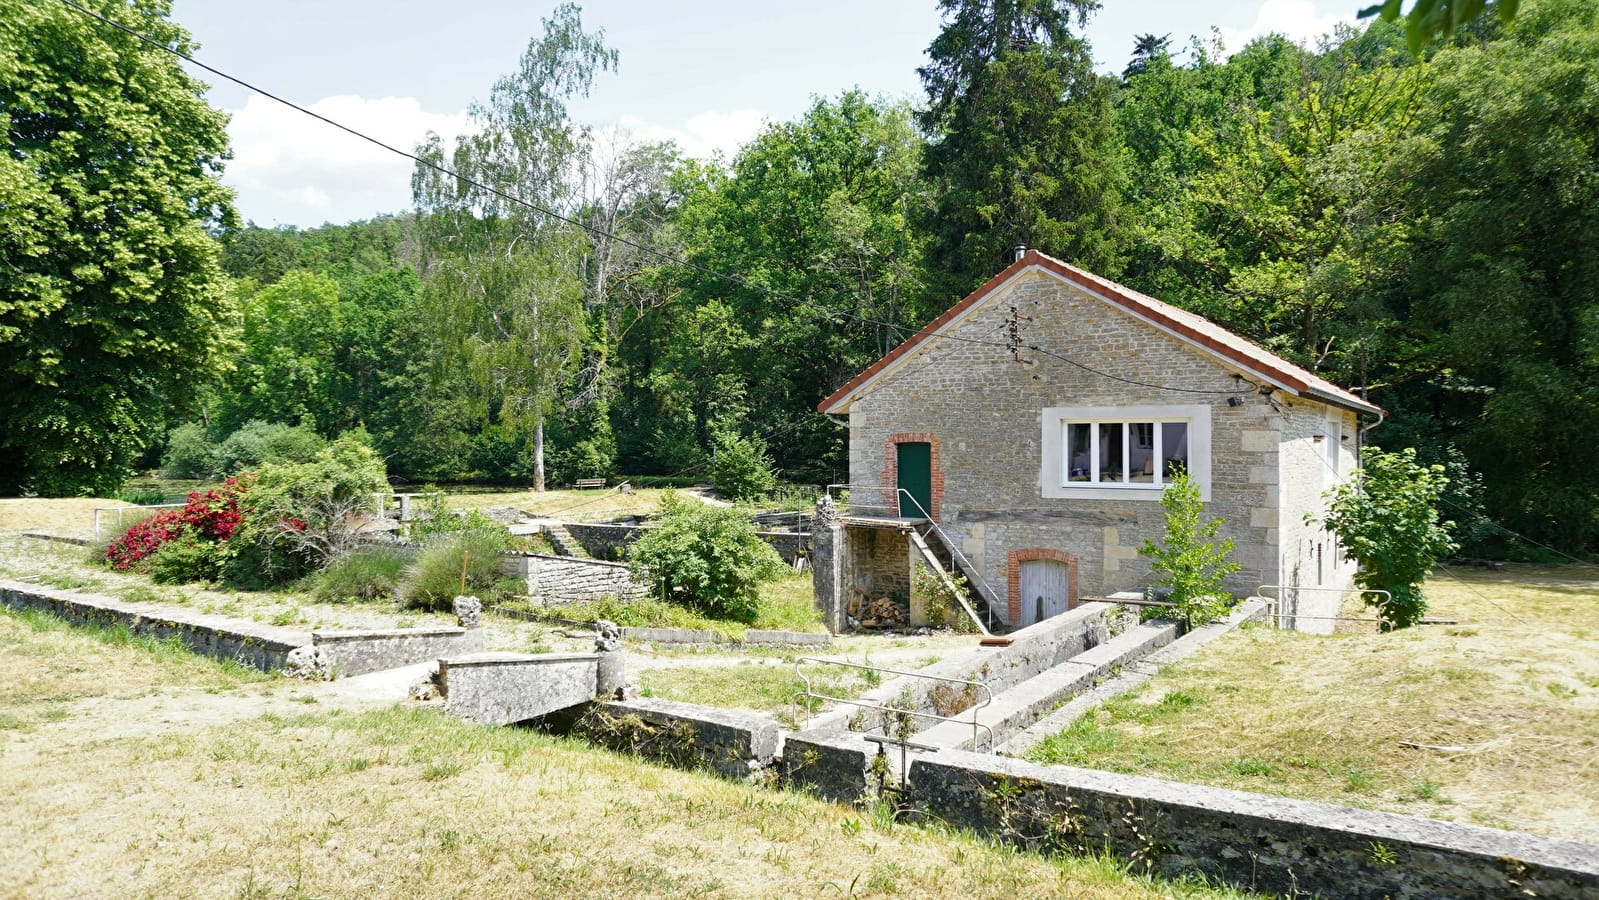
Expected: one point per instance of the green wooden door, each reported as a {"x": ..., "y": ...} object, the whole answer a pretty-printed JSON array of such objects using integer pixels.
[{"x": 915, "y": 468}]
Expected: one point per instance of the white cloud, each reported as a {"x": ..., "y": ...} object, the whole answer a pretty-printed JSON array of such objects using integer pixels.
[
  {"x": 1298, "y": 19},
  {"x": 702, "y": 135},
  {"x": 292, "y": 169}
]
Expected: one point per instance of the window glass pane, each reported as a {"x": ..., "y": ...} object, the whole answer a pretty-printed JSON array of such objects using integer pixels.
[
  {"x": 1173, "y": 448},
  {"x": 1078, "y": 460},
  {"x": 1141, "y": 452},
  {"x": 1110, "y": 451}
]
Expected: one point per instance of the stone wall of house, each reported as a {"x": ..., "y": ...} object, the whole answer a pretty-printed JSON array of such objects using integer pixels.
[
  {"x": 878, "y": 562},
  {"x": 1318, "y": 450},
  {"x": 983, "y": 411}
]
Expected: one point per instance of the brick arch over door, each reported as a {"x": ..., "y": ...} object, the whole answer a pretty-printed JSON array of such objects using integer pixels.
[
  {"x": 1013, "y": 577},
  {"x": 891, "y": 468}
]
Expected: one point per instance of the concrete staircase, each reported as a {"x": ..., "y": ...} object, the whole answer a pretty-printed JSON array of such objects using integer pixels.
[
  {"x": 1014, "y": 710},
  {"x": 565, "y": 544}
]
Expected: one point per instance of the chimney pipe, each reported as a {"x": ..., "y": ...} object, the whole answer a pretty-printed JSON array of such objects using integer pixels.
[{"x": 1019, "y": 251}]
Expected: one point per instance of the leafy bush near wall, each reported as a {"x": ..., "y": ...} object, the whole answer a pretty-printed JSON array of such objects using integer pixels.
[
  {"x": 368, "y": 575},
  {"x": 1190, "y": 559},
  {"x": 705, "y": 557},
  {"x": 742, "y": 470},
  {"x": 464, "y": 563},
  {"x": 303, "y": 515},
  {"x": 1387, "y": 520}
]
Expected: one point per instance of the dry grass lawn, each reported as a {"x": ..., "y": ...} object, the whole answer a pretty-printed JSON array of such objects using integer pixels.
[
  {"x": 165, "y": 778},
  {"x": 1505, "y": 704},
  {"x": 569, "y": 505}
]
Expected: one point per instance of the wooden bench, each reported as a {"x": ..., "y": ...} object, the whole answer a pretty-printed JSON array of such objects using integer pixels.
[{"x": 582, "y": 483}]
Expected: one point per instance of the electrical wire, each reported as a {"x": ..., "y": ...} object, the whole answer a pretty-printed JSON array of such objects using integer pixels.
[{"x": 1133, "y": 381}]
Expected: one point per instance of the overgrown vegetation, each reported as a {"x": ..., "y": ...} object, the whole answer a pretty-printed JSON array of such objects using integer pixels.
[
  {"x": 466, "y": 562},
  {"x": 1189, "y": 559},
  {"x": 705, "y": 557},
  {"x": 368, "y": 575},
  {"x": 1386, "y": 520}
]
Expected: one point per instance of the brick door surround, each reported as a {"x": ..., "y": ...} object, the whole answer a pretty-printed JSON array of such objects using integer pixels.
[
  {"x": 1013, "y": 577},
  {"x": 891, "y": 468}
]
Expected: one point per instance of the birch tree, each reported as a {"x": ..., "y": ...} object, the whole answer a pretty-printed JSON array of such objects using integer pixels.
[{"x": 501, "y": 280}]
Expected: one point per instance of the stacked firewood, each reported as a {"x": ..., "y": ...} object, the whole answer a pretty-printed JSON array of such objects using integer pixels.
[{"x": 882, "y": 613}]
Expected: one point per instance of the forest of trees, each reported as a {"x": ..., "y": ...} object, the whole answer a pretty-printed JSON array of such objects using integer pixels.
[{"x": 1421, "y": 229}]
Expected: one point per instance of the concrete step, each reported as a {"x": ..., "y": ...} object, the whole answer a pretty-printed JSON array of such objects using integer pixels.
[
  {"x": 1026, "y": 703},
  {"x": 564, "y": 543}
]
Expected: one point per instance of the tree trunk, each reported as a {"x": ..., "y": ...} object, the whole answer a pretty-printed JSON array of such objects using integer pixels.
[{"x": 538, "y": 455}]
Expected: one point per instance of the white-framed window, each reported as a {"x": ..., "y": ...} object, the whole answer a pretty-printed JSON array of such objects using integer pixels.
[{"x": 1122, "y": 452}]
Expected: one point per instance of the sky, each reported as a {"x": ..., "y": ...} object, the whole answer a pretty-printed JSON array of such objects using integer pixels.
[{"x": 708, "y": 74}]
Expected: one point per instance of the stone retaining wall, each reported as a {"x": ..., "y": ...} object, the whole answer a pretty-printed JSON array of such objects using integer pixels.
[
  {"x": 728, "y": 742},
  {"x": 1033, "y": 650},
  {"x": 504, "y": 688},
  {"x": 359, "y": 652},
  {"x": 263, "y": 647},
  {"x": 1261, "y": 843},
  {"x": 557, "y": 579}
]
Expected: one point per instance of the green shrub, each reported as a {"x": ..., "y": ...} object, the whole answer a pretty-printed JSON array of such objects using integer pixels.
[
  {"x": 190, "y": 453},
  {"x": 742, "y": 470},
  {"x": 1386, "y": 519},
  {"x": 184, "y": 559},
  {"x": 437, "y": 575},
  {"x": 368, "y": 575},
  {"x": 303, "y": 515},
  {"x": 1190, "y": 559},
  {"x": 705, "y": 557},
  {"x": 257, "y": 444}
]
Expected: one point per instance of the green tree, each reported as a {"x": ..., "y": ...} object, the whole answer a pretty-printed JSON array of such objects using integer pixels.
[
  {"x": 1022, "y": 145},
  {"x": 1429, "y": 21},
  {"x": 1189, "y": 559},
  {"x": 705, "y": 557},
  {"x": 1506, "y": 191},
  {"x": 1281, "y": 217},
  {"x": 814, "y": 218},
  {"x": 112, "y": 306},
  {"x": 1386, "y": 520},
  {"x": 503, "y": 279}
]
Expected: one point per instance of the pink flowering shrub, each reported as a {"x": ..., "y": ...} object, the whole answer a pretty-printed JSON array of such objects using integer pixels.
[{"x": 210, "y": 517}]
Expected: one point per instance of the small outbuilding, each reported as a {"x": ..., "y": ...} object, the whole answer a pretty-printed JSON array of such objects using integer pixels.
[{"x": 1023, "y": 439}]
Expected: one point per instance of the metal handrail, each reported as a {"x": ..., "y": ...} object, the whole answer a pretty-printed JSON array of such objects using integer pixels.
[
  {"x": 805, "y": 679},
  {"x": 1277, "y": 601},
  {"x": 989, "y": 596},
  {"x": 120, "y": 509}
]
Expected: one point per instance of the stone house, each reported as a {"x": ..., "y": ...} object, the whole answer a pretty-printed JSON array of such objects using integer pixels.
[{"x": 1024, "y": 437}]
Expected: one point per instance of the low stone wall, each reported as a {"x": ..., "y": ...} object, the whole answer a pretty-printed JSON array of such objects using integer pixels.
[
  {"x": 1033, "y": 650},
  {"x": 1259, "y": 843},
  {"x": 503, "y": 688},
  {"x": 834, "y": 765},
  {"x": 263, "y": 647},
  {"x": 564, "y": 579},
  {"x": 359, "y": 652},
  {"x": 609, "y": 541},
  {"x": 731, "y": 743}
]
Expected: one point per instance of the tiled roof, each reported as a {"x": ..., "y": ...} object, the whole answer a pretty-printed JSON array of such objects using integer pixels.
[{"x": 1195, "y": 329}]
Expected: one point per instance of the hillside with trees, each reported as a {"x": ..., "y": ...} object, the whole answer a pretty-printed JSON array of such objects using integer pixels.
[{"x": 1417, "y": 228}]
